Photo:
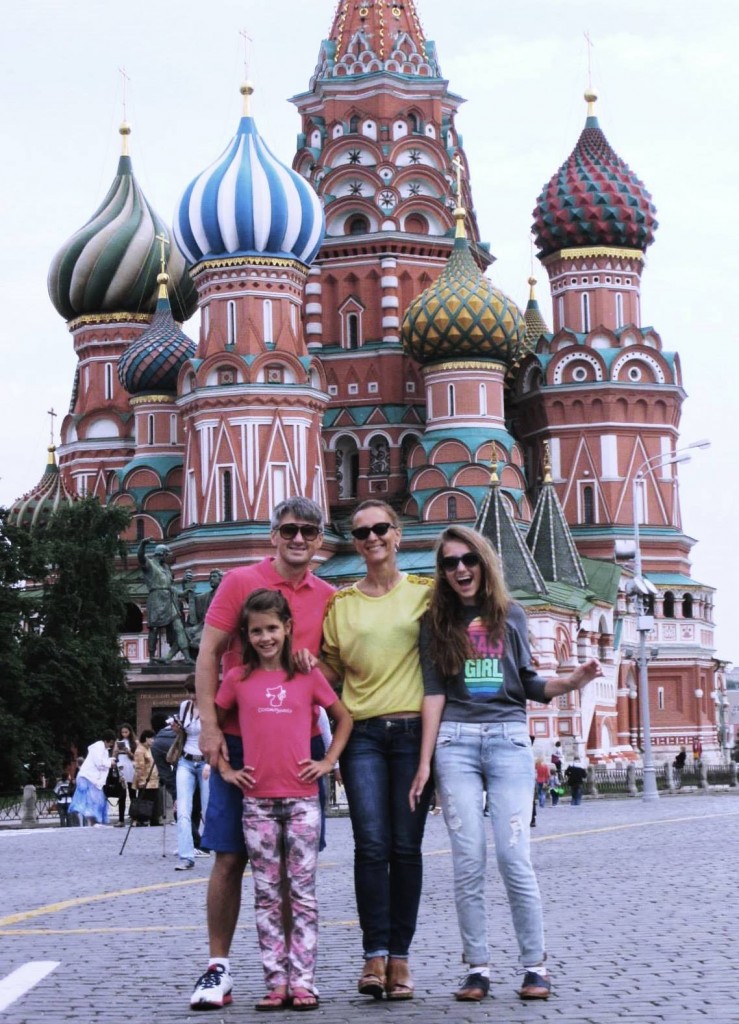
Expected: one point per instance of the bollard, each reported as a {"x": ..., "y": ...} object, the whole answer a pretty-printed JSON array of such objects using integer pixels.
[
  {"x": 672, "y": 778},
  {"x": 703, "y": 776},
  {"x": 631, "y": 779},
  {"x": 29, "y": 813},
  {"x": 591, "y": 786},
  {"x": 733, "y": 774}
]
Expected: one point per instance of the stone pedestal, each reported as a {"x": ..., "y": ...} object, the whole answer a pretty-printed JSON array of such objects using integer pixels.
[{"x": 157, "y": 688}]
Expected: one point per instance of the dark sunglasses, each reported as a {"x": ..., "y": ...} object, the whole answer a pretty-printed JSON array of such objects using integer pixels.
[
  {"x": 290, "y": 530},
  {"x": 379, "y": 530},
  {"x": 449, "y": 563}
]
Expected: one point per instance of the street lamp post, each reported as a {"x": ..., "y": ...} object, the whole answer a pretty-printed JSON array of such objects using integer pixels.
[{"x": 642, "y": 589}]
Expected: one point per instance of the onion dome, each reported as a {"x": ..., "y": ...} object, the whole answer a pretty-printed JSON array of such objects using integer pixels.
[
  {"x": 594, "y": 199},
  {"x": 33, "y": 510},
  {"x": 536, "y": 325},
  {"x": 153, "y": 361},
  {"x": 110, "y": 265},
  {"x": 248, "y": 203},
  {"x": 461, "y": 315}
]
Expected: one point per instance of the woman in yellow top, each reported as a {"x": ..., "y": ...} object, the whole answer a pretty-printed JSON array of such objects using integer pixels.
[{"x": 371, "y": 642}]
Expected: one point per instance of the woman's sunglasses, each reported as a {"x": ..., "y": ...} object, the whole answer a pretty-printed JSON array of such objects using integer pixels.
[
  {"x": 290, "y": 530},
  {"x": 379, "y": 530},
  {"x": 469, "y": 560}
]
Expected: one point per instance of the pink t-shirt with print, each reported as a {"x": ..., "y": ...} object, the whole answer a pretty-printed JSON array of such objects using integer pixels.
[{"x": 275, "y": 720}]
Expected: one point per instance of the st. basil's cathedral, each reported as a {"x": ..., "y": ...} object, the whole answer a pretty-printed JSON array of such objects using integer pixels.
[{"x": 353, "y": 344}]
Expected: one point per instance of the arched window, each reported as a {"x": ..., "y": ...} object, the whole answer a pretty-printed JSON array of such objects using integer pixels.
[
  {"x": 108, "y": 380},
  {"x": 451, "y": 510},
  {"x": 231, "y": 327},
  {"x": 139, "y": 531},
  {"x": 687, "y": 606},
  {"x": 483, "y": 400},
  {"x": 354, "y": 124},
  {"x": 173, "y": 428},
  {"x": 358, "y": 226},
  {"x": 267, "y": 320},
  {"x": 352, "y": 324},
  {"x": 619, "y": 310},
  {"x": 668, "y": 605},
  {"x": 585, "y": 299},
  {"x": 588, "y": 505},
  {"x": 347, "y": 467},
  {"x": 379, "y": 456},
  {"x": 150, "y": 429},
  {"x": 413, "y": 122},
  {"x": 415, "y": 224},
  {"x": 451, "y": 400}
]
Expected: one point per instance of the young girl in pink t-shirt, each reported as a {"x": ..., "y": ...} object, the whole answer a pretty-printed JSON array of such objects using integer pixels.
[{"x": 281, "y": 817}]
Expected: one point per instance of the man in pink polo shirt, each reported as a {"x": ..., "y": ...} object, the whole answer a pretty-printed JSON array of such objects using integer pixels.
[{"x": 297, "y": 534}]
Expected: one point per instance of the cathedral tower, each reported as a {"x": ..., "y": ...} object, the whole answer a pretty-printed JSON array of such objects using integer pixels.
[{"x": 378, "y": 142}]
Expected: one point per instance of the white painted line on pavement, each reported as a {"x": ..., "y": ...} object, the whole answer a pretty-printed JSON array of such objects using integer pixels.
[{"x": 23, "y": 980}]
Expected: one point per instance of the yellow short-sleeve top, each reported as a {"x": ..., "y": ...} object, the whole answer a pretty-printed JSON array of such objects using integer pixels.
[{"x": 373, "y": 643}]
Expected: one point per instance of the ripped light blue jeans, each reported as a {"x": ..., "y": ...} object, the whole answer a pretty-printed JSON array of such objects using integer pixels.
[{"x": 472, "y": 758}]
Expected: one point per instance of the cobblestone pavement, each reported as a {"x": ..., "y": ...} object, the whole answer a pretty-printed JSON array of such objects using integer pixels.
[{"x": 640, "y": 909}]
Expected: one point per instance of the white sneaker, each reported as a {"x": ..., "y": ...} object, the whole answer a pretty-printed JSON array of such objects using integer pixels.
[
  {"x": 202, "y": 853},
  {"x": 212, "y": 989},
  {"x": 184, "y": 865}
]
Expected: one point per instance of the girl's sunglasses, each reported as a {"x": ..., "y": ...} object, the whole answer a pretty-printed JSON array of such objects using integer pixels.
[
  {"x": 469, "y": 560},
  {"x": 290, "y": 530},
  {"x": 379, "y": 530}
]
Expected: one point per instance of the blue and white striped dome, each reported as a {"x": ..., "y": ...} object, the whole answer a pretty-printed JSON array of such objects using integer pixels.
[{"x": 248, "y": 203}]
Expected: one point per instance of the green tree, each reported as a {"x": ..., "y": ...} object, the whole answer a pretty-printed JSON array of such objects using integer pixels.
[
  {"x": 20, "y": 560},
  {"x": 74, "y": 672}
]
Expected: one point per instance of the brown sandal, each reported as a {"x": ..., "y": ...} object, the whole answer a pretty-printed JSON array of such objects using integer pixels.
[
  {"x": 399, "y": 984},
  {"x": 372, "y": 981}
]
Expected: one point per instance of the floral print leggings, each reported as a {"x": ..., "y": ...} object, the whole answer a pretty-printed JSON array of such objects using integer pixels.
[{"x": 281, "y": 837}]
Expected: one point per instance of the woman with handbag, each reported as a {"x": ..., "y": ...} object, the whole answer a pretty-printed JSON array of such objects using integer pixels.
[
  {"x": 192, "y": 773},
  {"x": 145, "y": 805}
]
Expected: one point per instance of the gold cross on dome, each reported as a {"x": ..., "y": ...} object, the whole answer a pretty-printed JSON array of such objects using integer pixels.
[
  {"x": 163, "y": 240},
  {"x": 52, "y": 416}
]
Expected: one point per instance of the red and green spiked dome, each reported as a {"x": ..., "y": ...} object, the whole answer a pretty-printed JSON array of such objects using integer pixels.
[
  {"x": 594, "y": 199},
  {"x": 153, "y": 361},
  {"x": 462, "y": 316}
]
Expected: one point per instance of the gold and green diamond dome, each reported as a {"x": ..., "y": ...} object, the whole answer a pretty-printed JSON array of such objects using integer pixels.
[{"x": 462, "y": 316}]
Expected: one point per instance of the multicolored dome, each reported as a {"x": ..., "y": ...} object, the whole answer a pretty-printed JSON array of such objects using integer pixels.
[
  {"x": 33, "y": 510},
  {"x": 462, "y": 316},
  {"x": 593, "y": 199},
  {"x": 153, "y": 361},
  {"x": 111, "y": 264},
  {"x": 248, "y": 203}
]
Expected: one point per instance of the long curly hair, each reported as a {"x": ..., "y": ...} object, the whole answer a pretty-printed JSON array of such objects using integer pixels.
[
  {"x": 450, "y": 644},
  {"x": 266, "y": 601}
]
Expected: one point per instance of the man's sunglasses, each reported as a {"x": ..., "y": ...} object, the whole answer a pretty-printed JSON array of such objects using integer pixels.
[
  {"x": 288, "y": 531},
  {"x": 469, "y": 560},
  {"x": 379, "y": 530}
]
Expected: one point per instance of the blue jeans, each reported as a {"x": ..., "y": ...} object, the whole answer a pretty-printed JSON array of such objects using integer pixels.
[
  {"x": 496, "y": 758},
  {"x": 378, "y": 766},
  {"x": 189, "y": 775}
]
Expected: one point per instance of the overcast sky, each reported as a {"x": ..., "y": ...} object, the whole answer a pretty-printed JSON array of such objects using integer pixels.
[{"x": 668, "y": 84}]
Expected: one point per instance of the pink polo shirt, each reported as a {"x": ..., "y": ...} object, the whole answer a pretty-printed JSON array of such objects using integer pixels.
[{"x": 307, "y": 598}]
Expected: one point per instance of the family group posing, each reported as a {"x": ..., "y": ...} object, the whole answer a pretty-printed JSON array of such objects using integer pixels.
[{"x": 432, "y": 673}]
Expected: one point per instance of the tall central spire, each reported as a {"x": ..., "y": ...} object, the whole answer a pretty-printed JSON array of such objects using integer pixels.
[{"x": 377, "y": 35}]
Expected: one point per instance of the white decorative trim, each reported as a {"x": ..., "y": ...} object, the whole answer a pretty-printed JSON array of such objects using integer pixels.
[
  {"x": 313, "y": 288},
  {"x": 389, "y": 282},
  {"x": 580, "y": 354},
  {"x": 389, "y": 302},
  {"x": 641, "y": 357},
  {"x": 314, "y": 328},
  {"x": 391, "y": 321},
  {"x": 313, "y": 308}
]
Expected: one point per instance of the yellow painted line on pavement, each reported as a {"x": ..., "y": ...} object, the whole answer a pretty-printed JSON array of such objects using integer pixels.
[
  {"x": 605, "y": 828},
  {"x": 351, "y": 923},
  {"x": 79, "y": 901}
]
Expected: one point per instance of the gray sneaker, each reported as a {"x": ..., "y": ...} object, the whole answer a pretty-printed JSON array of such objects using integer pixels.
[{"x": 184, "y": 865}]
